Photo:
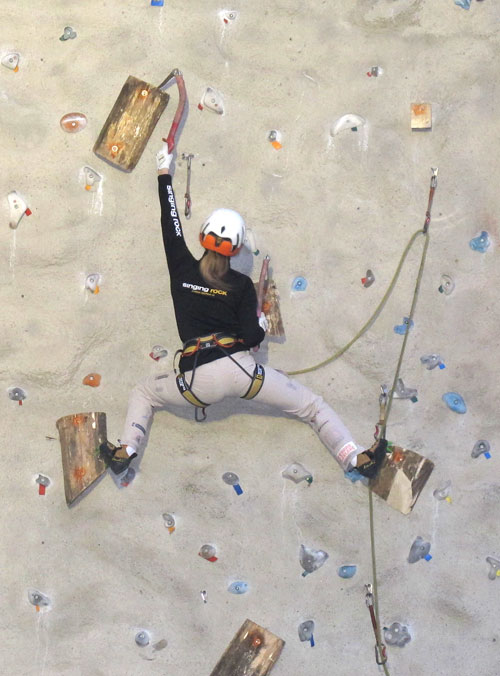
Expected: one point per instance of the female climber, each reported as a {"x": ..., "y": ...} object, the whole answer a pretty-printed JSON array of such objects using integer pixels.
[{"x": 216, "y": 313}]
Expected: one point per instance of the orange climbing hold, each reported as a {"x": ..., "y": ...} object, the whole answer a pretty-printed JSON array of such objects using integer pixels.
[
  {"x": 93, "y": 379},
  {"x": 73, "y": 122}
]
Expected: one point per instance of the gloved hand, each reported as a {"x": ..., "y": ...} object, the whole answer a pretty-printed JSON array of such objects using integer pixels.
[
  {"x": 163, "y": 158},
  {"x": 263, "y": 323}
]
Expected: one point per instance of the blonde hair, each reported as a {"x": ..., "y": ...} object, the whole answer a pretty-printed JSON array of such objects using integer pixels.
[{"x": 213, "y": 269}]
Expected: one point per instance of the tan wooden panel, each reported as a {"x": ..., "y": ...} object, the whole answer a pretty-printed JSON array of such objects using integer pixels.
[
  {"x": 252, "y": 652},
  {"x": 421, "y": 116},
  {"x": 402, "y": 478},
  {"x": 271, "y": 308},
  {"x": 130, "y": 123},
  {"x": 80, "y": 435}
]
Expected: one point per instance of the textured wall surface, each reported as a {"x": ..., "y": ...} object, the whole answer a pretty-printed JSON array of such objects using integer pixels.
[{"x": 323, "y": 207}]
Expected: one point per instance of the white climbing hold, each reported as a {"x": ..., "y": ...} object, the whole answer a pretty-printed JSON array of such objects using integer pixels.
[
  {"x": 18, "y": 208},
  {"x": 349, "y": 121},
  {"x": 212, "y": 99},
  {"x": 11, "y": 61}
]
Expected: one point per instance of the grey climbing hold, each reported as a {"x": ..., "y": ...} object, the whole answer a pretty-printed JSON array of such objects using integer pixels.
[
  {"x": 397, "y": 634},
  {"x": 480, "y": 447},
  {"x": 447, "y": 285},
  {"x": 430, "y": 361},
  {"x": 169, "y": 520},
  {"x": 494, "y": 567},
  {"x": 419, "y": 550},
  {"x": 368, "y": 279},
  {"x": 68, "y": 34},
  {"x": 158, "y": 352},
  {"x": 142, "y": 638},
  {"x": 36, "y": 598},
  {"x": 444, "y": 492},
  {"x": 311, "y": 559},
  {"x": 296, "y": 472},
  {"x": 403, "y": 392},
  {"x": 16, "y": 394},
  {"x": 208, "y": 552},
  {"x": 306, "y": 630}
]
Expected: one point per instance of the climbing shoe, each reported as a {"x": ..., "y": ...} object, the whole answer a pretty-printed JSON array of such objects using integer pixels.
[
  {"x": 376, "y": 454},
  {"x": 107, "y": 453}
]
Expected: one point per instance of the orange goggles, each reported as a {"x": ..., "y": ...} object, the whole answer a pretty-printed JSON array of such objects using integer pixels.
[{"x": 220, "y": 245}]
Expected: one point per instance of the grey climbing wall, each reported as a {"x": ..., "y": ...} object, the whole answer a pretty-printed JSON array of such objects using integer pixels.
[{"x": 332, "y": 202}]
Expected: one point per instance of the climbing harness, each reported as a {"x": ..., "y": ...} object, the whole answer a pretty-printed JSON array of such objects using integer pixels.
[{"x": 222, "y": 341}]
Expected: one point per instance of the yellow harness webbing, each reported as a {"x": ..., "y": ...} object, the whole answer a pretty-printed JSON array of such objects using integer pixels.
[
  {"x": 257, "y": 382},
  {"x": 222, "y": 341}
]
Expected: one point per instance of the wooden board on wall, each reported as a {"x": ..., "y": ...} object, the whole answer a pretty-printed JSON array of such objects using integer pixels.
[
  {"x": 402, "y": 478},
  {"x": 252, "y": 652},
  {"x": 130, "y": 123},
  {"x": 80, "y": 435}
]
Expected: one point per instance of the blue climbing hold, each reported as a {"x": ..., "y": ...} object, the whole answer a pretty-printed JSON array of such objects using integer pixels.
[
  {"x": 455, "y": 402},
  {"x": 238, "y": 587},
  {"x": 299, "y": 284},
  {"x": 464, "y": 4},
  {"x": 156, "y": 3},
  {"x": 480, "y": 243},
  {"x": 347, "y": 571},
  {"x": 404, "y": 327}
]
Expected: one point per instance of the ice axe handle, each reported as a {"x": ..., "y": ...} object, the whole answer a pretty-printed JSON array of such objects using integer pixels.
[{"x": 170, "y": 140}]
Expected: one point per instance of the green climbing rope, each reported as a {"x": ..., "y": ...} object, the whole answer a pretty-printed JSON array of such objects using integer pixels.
[
  {"x": 374, "y": 316},
  {"x": 382, "y": 436},
  {"x": 344, "y": 349}
]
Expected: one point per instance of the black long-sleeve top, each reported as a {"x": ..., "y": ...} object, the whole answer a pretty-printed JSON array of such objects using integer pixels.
[{"x": 201, "y": 310}]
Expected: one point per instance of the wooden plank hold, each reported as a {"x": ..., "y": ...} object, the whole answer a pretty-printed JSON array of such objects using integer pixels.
[
  {"x": 421, "y": 116},
  {"x": 252, "y": 652},
  {"x": 402, "y": 478},
  {"x": 130, "y": 124},
  {"x": 81, "y": 435},
  {"x": 271, "y": 308}
]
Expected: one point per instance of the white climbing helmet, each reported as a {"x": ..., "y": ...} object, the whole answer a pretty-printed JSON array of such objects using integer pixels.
[{"x": 223, "y": 232}]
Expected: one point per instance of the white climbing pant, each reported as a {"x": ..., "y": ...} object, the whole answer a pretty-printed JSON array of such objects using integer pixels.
[{"x": 223, "y": 378}]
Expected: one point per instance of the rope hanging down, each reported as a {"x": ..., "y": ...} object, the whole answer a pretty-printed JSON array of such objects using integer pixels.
[
  {"x": 372, "y": 598},
  {"x": 390, "y": 289}
]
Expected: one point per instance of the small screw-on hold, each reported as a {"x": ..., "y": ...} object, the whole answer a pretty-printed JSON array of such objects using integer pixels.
[
  {"x": 203, "y": 595},
  {"x": 144, "y": 92},
  {"x": 480, "y": 447},
  {"x": 17, "y": 394},
  {"x": 169, "y": 521},
  {"x": 142, "y": 638},
  {"x": 36, "y": 598},
  {"x": 273, "y": 135},
  {"x": 43, "y": 482},
  {"x": 158, "y": 352},
  {"x": 68, "y": 34}
]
